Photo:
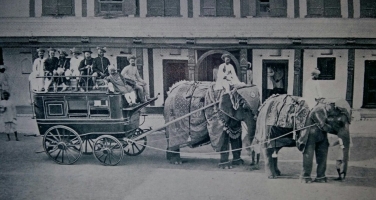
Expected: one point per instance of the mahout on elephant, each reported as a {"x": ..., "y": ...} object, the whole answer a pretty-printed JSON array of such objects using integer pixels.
[
  {"x": 287, "y": 121},
  {"x": 219, "y": 125}
]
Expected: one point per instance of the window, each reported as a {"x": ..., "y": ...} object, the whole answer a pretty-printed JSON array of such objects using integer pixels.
[
  {"x": 57, "y": 7},
  {"x": 55, "y": 108},
  {"x": 116, "y": 7},
  {"x": 217, "y": 8},
  {"x": 264, "y": 8},
  {"x": 166, "y": 8},
  {"x": 324, "y": 8},
  {"x": 367, "y": 8},
  {"x": 327, "y": 67}
]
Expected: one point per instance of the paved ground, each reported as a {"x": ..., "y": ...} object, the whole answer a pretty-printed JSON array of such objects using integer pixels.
[{"x": 27, "y": 175}]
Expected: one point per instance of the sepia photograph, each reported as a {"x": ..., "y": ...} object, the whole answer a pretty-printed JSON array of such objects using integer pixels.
[{"x": 188, "y": 99}]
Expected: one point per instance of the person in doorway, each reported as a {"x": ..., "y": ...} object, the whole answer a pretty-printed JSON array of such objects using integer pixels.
[
  {"x": 63, "y": 66},
  {"x": 215, "y": 69},
  {"x": 270, "y": 82},
  {"x": 131, "y": 72},
  {"x": 312, "y": 91},
  {"x": 73, "y": 67},
  {"x": 249, "y": 74},
  {"x": 4, "y": 85},
  {"x": 117, "y": 83},
  {"x": 226, "y": 77},
  {"x": 8, "y": 119},
  {"x": 50, "y": 70},
  {"x": 278, "y": 81},
  {"x": 100, "y": 66},
  {"x": 86, "y": 68},
  {"x": 37, "y": 84}
]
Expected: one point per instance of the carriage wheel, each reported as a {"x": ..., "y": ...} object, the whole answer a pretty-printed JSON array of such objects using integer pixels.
[
  {"x": 135, "y": 148},
  {"x": 108, "y": 150},
  {"x": 87, "y": 145},
  {"x": 62, "y": 144}
]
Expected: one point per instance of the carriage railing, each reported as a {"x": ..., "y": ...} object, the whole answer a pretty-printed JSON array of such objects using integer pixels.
[{"x": 74, "y": 78}]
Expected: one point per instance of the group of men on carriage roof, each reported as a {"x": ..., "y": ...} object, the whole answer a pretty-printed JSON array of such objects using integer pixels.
[{"x": 89, "y": 73}]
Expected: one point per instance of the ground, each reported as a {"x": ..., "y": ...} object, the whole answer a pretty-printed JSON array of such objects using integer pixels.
[{"x": 26, "y": 174}]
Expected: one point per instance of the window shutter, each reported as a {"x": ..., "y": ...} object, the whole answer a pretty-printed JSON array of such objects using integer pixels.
[
  {"x": 49, "y": 7},
  {"x": 315, "y": 8},
  {"x": 172, "y": 7},
  {"x": 278, "y": 8},
  {"x": 252, "y": 8},
  {"x": 129, "y": 7},
  {"x": 224, "y": 8},
  {"x": 244, "y": 8},
  {"x": 65, "y": 7},
  {"x": 332, "y": 8},
  {"x": 155, "y": 7},
  {"x": 208, "y": 7},
  {"x": 368, "y": 8}
]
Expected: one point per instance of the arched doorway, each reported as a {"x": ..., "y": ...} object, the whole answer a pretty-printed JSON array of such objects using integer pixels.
[{"x": 211, "y": 60}]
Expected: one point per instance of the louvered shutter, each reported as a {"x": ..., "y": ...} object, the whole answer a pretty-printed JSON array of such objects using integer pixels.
[
  {"x": 244, "y": 8},
  {"x": 332, "y": 8},
  {"x": 278, "y": 8},
  {"x": 155, "y": 7},
  {"x": 49, "y": 7},
  {"x": 208, "y": 7},
  {"x": 368, "y": 8},
  {"x": 224, "y": 8},
  {"x": 65, "y": 7},
  {"x": 171, "y": 7},
  {"x": 315, "y": 8}
]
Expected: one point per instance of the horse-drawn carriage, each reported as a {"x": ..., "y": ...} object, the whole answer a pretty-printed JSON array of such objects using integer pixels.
[{"x": 96, "y": 121}]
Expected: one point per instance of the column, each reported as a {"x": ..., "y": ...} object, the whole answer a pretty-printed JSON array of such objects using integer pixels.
[
  {"x": 344, "y": 9},
  {"x": 78, "y": 8},
  {"x": 184, "y": 8},
  {"x": 196, "y": 9},
  {"x": 350, "y": 77},
  {"x": 236, "y": 6},
  {"x": 90, "y": 8},
  {"x": 38, "y": 8},
  {"x": 143, "y": 8},
  {"x": 290, "y": 8},
  {"x": 140, "y": 61},
  {"x": 298, "y": 72},
  {"x": 191, "y": 64},
  {"x": 243, "y": 65},
  {"x": 303, "y": 8},
  {"x": 356, "y": 4}
]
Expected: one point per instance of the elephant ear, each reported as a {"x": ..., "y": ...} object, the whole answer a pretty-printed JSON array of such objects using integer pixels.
[
  {"x": 343, "y": 106},
  {"x": 226, "y": 105},
  {"x": 250, "y": 96}
]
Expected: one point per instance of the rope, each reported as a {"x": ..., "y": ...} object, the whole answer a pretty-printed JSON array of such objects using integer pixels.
[{"x": 219, "y": 152}]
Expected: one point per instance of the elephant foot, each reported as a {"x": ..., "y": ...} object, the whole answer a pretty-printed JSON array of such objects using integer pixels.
[
  {"x": 225, "y": 165},
  {"x": 238, "y": 162},
  {"x": 338, "y": 179},
  {"x": 320, "y": 180},
  {"x": 252, "y": 163},
  {"x": 306, "y": 180}
]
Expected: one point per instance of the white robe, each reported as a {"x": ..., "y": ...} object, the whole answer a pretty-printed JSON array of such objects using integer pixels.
[
  {"x": 38, "y": 70},
  {"x": 312, "y": 91},
  {"x": 226, "y": 76}
]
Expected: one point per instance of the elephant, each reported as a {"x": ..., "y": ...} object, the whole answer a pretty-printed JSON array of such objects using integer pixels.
[
  {"x": 287, "y": 121},
  {"x": 218, "y": 125}
]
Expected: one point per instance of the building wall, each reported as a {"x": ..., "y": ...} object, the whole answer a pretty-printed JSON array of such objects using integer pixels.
[
  {"x": 264, "y": 54},
  {"x": 14, "y": 8},
  {"x": 330, "y": 88},
  {"x": 158, "y": 56},
  {"x": 361, "y": 55}
]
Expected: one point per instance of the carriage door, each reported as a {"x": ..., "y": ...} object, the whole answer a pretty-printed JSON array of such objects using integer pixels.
[
  {"x": 279, "y": 69},
  {"x": 173, "y": 71},
  {"x": 369, "y": 97}
]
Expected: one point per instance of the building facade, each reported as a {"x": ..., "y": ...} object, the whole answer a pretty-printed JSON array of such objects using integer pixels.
[{"x": 183, "y": 40}]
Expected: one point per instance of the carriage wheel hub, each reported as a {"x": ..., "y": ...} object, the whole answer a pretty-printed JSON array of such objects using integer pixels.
[
  {"x": 62, "y": 146},
  {"x": 106, "y": 151}
]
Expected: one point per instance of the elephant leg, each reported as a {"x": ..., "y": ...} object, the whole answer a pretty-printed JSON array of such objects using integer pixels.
[
  {"x": 236, "y": 144},
  {"x": 275, "y": 162},
  {"x": 269, "y": 163},
  {"x": 224, "y": 161},
  {"x": 174, "y": 158},
  {"x": 321, "y": 158}
]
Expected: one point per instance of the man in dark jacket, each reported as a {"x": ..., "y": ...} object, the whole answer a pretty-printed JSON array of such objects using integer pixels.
[
  {"x": 63, "y": 66},
  {"x": 85, "y": 69},
  {"x": 50, "y": 69},
  {"x": 100, "y": 66}
]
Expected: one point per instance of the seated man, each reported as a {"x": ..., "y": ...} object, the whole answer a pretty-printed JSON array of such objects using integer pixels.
[
  {"x": 50, "y": 70},
  {"x": 117, "y": 83},
  {"x": 131, "y": 72},
  {"x": 63, "y": 66},
  {"x": 100, "y": 66},
  {"x": 85, "y": 68},
  {"x": 73, "y": 69}
]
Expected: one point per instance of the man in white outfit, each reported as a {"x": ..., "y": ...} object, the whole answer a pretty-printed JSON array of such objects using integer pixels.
[
  {"x": 37, "y": 84},
  {"x": 312, "y": 90},
  {"x": 73, "y": 70},
  {"x": 226, "y": 76}
]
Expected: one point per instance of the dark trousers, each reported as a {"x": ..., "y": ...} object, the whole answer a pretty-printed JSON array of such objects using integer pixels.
[
  {"x": 235, "y": 144},
  {"x": 320, "y": 149}
]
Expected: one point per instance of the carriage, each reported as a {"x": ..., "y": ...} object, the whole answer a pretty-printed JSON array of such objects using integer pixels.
[{"x": 76, "y": 123}]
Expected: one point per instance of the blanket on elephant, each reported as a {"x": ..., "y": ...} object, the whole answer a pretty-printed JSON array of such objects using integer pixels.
[
  {"x": 280, "y": 114},
  {"x": 183, "y": 99}
]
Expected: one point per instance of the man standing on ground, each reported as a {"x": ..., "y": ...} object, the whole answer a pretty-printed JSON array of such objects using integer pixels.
[{"x": 131, "y": 72}]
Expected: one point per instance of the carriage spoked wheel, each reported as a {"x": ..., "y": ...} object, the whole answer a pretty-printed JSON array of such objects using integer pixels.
[
  {"x": 135, "y": 148},
  {"x": 87, "y": 145},
  {"x": 108, "y": 150},
  {"x": 62, "y": 144}
]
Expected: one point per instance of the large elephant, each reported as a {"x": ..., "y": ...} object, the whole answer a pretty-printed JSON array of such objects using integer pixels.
[
  {"x": 219, "y": 124},
  {"x": 280, "y": 115}
]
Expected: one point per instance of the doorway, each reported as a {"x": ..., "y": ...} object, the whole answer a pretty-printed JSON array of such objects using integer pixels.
[
  {"x": 369, "y": 97},
  {"x": 275, "y": 77},
  {"x": 173, "y": 71}
]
